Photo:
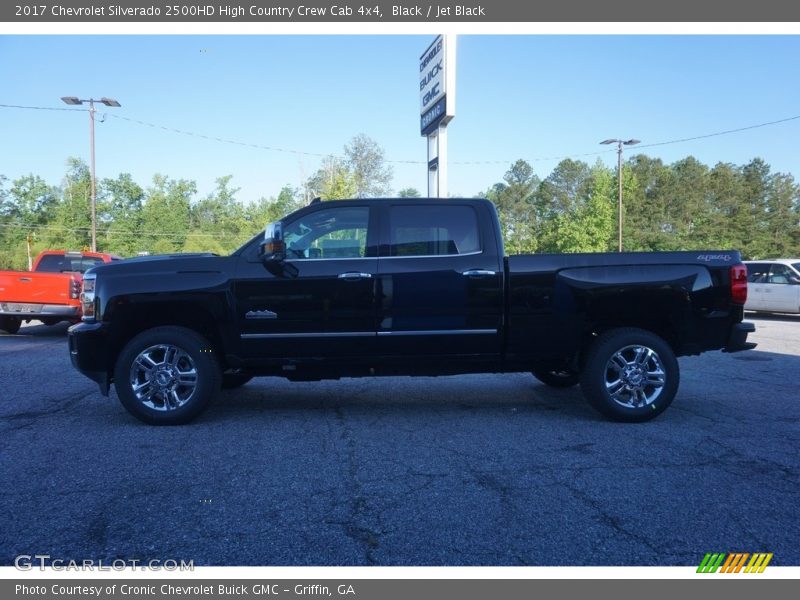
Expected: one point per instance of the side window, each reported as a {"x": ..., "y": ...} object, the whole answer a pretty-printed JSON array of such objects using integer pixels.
[
  {"x": 757, "y": 273},
  {"x": 779, "y": 274},
  {"x": 433, "y": 230},
  {"x": 82, "y": 265},
  {"x": 339, "y": 232}
]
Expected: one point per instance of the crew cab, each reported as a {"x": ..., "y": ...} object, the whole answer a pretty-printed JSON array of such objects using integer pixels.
[
  {"x": 403, "y": 287},
  {"x": 49, "y": 291}
]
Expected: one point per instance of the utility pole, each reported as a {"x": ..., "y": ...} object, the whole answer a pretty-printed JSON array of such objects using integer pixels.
[
  {"x": 28, "y": 240},
  {"x": 619, "y": 144},
  {"x": 75, "y": 101}
]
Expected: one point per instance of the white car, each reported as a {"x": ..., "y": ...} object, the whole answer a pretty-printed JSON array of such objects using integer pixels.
[{"x": 773, "y": 285}]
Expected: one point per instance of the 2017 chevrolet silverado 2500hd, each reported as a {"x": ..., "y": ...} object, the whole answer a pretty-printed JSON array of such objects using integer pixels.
[
  {"x": 403, "y": 287},
  {"x": 49, "y": 291}
]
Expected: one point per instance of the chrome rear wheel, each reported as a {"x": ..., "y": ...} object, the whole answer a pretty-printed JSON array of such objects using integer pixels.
[
  {"x": 635, "y": 376},
  {"x": 630, "y": 374}
]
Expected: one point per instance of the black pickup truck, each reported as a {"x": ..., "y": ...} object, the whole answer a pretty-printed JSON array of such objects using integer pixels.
[{"x": 403, "y": 287}]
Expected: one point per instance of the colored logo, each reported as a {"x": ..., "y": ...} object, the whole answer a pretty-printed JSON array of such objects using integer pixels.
[{"x": 735, "y": 562}]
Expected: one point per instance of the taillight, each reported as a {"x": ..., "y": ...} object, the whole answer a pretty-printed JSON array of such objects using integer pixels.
[
  {"x": 738, "y": 275},
  {"x": 87, "y": 296},
  {"x": 74, "y": 289}
]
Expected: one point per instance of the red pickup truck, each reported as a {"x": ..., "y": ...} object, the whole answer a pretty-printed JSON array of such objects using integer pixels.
[{"x": 50, "y": 291}]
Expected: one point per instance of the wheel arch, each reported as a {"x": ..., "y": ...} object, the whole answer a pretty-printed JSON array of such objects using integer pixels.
[{"x": 132, "y": 318}]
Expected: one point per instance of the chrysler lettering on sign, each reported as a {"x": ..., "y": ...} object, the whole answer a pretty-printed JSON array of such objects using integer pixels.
[{"x": 431, "y": 75}]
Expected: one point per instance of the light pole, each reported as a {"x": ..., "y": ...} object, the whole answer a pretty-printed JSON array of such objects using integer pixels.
[
  {"x": 73, "y": 100},
  {"x": 619, "y": 144}
]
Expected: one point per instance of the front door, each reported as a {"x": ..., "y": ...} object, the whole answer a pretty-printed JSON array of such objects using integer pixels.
[
  {"x": 318, "y": 303},
  {"x": 780, "y": 291}
]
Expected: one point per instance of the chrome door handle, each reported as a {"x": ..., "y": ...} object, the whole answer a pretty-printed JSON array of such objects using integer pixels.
[
  {"x": 354, "y": 275},
  {"x": 479, "y": 273}
]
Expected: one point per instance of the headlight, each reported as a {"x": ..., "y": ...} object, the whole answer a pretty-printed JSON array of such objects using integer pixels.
[{"x": 87, "y": 297}]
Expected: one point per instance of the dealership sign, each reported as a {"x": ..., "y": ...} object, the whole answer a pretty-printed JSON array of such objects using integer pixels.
[{"x": 437, "y": 90}]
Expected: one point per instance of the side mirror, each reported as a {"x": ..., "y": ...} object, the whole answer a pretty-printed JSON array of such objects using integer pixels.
[{"x": 273, "y": 248}]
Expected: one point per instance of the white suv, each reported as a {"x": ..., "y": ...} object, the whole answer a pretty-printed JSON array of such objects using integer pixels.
[{"x": 773, "y": 285}]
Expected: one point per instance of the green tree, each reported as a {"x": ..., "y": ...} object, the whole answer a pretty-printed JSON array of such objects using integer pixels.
[
  {"x": 590, "y": 224},
  {"x": 409, "y": 192},
  {"x": 756, "y": 185},
  {"x": 727, "y": 211},
  {"x": 783, "y": 228},
  {"x": 367, "y": 170},
  {"x": 219, "y": 216},
  {"x": 71, "y": 224},
  {"x": 560, "y": 196},
  {"x": 268, "y": 210},
  {"x": 334, "y": 180},
  {"x": 25, "y": 210},
  {"x": 647, "y": 195},
  {"x": 166, "y": 214},
  {"x": 120, "y": 215},
  {"x": 515, "y": 201}
]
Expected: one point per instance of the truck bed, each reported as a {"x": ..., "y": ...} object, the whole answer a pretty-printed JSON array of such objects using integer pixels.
[{"x": 31, "y": 294}]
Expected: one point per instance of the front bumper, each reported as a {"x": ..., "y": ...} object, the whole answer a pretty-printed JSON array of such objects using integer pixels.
[
  {"x": 89, "y": 352},
  {"x": 738, "y": 338}
]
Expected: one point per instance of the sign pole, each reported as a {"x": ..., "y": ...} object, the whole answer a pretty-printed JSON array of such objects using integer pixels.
[{"x": 437, "y": 92}]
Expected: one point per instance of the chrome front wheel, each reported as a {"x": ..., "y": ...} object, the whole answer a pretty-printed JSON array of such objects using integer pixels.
[
  {"x": 163, "y": 377},
  {"x": 167, "y": 375}
]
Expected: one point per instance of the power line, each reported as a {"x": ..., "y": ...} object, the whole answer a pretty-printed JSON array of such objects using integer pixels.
[
  {"x": 174, "y": 236},
  {"x": 297, "y": 152},
  {"x": 41, "y": 108},
  {"x": 709, "y": 135},
  {"x": 410, "y": 162},
  {"x": 218, "y": 139}
]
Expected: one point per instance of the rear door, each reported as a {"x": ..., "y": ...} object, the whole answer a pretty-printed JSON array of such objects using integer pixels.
[
  {"x": 440, "y": 281},
  {"x": 757, "y": 275}
]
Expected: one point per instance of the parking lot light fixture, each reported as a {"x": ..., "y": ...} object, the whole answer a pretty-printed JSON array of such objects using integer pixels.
[
  {"x": 75, "y": 101},
  {"x": 620, "y": 144}
]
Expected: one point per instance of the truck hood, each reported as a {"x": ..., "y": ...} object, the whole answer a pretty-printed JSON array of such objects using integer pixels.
[{"x": 162, "y": 264}]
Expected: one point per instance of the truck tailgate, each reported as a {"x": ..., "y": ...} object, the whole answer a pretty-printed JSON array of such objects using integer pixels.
[{"x": 36, "y": 288}]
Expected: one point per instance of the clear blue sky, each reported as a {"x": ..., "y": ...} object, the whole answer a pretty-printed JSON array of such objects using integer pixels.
[{"x": 523, "y": 96}]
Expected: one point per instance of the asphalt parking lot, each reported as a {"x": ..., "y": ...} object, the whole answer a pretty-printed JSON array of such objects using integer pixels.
[{"x": 469, "y": 470}]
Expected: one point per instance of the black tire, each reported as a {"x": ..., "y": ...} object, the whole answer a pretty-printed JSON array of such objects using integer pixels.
[
  {"x": 169, "y": 394},
  {"x": 644, "y": 386},
  {"x": 234, "y": 380},
  {"x": 558, "y": 378},
  {"x": 10, "y": 324}
]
